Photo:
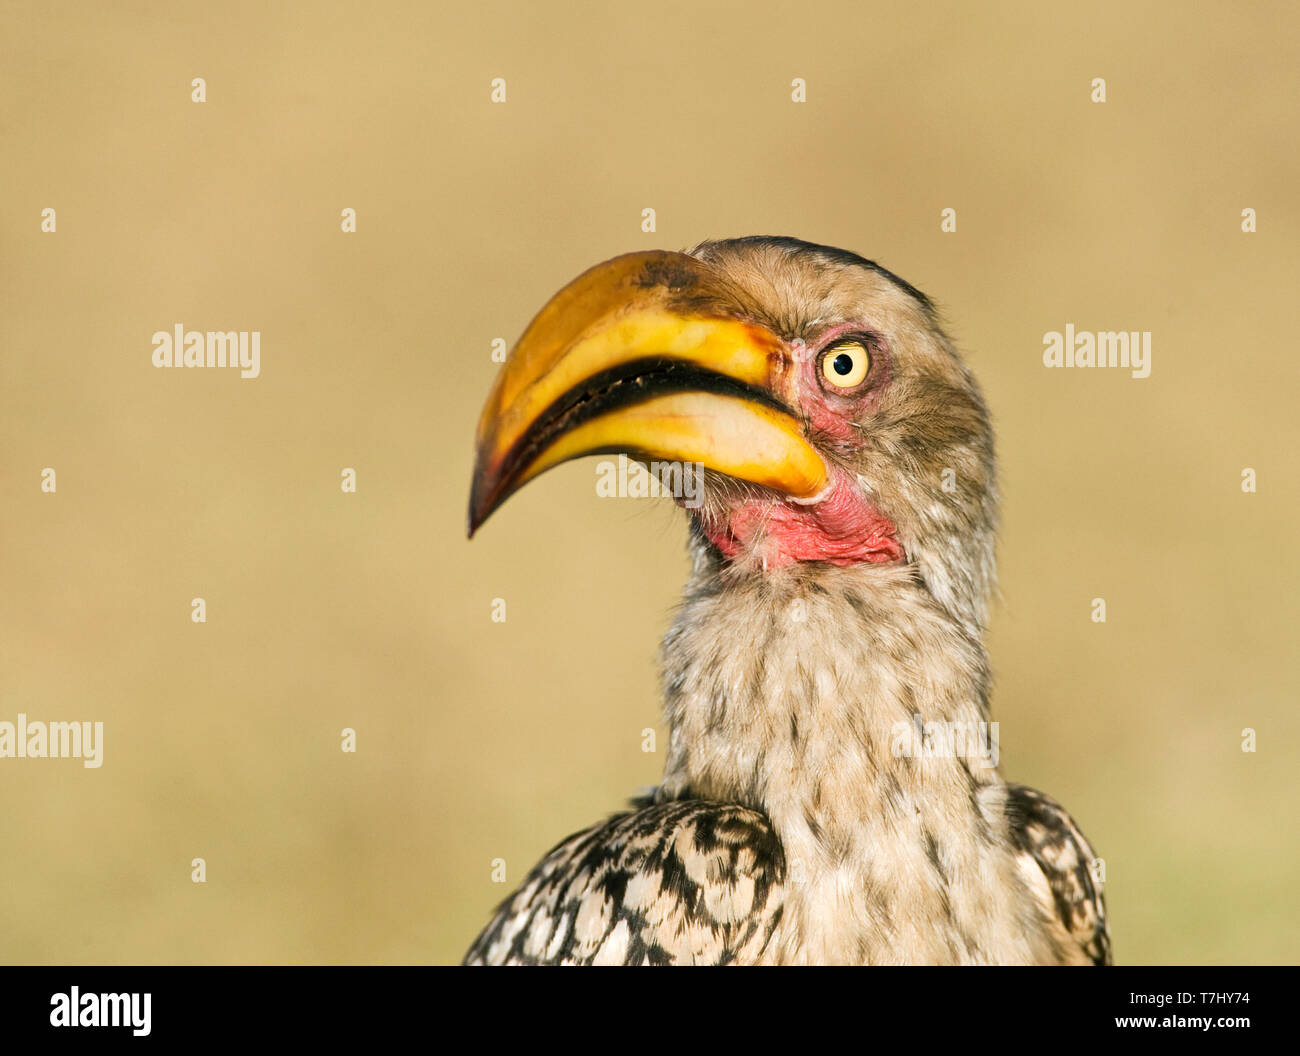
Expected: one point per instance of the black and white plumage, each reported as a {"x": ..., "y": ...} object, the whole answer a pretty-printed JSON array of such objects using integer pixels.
[
  {"x": 825, "y": 675},
  {"x": 682, "y": 882},
  {"x": 695, "y": 882},
  {"x": 1041, "y": 830}
]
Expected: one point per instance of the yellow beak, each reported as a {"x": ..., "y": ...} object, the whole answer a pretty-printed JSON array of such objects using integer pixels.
[{"x": 630, "y": 358}]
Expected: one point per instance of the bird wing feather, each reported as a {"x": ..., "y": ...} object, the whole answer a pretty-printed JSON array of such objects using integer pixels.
[
  {"x": 682, "y": 882},
  {"x": 1050, "y": 843}
]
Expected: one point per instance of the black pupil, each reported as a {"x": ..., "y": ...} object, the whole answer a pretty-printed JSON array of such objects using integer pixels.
[{"x": 843, "y": 364}]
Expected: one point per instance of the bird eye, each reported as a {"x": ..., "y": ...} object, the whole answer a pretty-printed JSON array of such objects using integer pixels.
[{"x": 845, "y": 365}]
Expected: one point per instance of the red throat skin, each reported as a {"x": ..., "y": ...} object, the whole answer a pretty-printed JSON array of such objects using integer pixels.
[{"x": 843, "y": 529}]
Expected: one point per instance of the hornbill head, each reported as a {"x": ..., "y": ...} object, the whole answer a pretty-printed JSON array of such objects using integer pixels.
[{"x": 833, "y": 420}]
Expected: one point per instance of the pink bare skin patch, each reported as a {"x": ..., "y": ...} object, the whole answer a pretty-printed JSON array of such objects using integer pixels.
[{"x": 844, "y": 528}]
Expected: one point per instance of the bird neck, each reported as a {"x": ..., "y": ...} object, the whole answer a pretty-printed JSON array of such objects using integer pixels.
[
  {"x": 775, "y": 685},
  {"x": 849, "y": 707}
]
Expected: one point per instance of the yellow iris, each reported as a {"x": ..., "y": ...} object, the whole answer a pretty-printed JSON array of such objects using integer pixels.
[{"x": 845, "y": 365}]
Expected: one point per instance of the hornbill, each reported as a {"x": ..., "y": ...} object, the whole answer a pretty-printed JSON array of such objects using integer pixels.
[{"x": 843, "y": 558}]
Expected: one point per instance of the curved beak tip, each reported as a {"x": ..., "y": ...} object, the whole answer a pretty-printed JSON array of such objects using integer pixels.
[{"x": 480, "y": 505}]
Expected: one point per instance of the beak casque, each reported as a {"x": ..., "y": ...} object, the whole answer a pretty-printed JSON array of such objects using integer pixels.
[{"x": 634, "y": 357}]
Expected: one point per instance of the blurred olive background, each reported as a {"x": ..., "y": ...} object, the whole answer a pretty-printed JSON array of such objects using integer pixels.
[{"x": 480, "y": 741}]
